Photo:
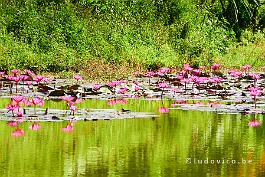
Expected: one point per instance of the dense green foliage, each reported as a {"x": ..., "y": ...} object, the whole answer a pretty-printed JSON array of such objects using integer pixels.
[{"x": 57, "y": 35}]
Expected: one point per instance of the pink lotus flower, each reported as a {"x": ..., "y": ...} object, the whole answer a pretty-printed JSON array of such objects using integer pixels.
[
  {"x": 18, "y": 99},
  {"x": 164, "y": 70},
  {"x": 215, "y": 66},
  {"x": 73, "y": 108},
  {"x": 163, "y": 110},
  {"x": 215, "y": 80},
  {"x": 254, "y": 123},
  {"x": 67, "y": 98},
  {"x": 187, "y": 67},
  {"x": 135, "y": 87},
  {"x": 12, "y": 107},
  {"x": 254, "y": 76},
  {"x": 255, "y": 91},
  {"x": 163, "y": 85},
  {"x": 27, "y": 102},
  {"x": 78, "y": 100},
  {"x": 121, "y": 90},
  {"x": 37, "y": 101},
  {"x": 18, "y": 132},
  {"x": 246, "y": 67},
  {"x": 35, "y": 126},
  {"x": 78, "y": 77},
  {"x": 196, "y": 72},
  {"x": 29, "y": 72},
  {"x": 38, "y": 79},
  {"x": 16, "y": 79},
  {"x": 198, "y": 80},
  {"x": 149, "y": 74},
  {"x": 68, "y": 128},
  {"x": 97, "y": 87},
  {"x": 235, "y": 73},
  {"x": 24, "y": 77},
  {"x": 14, "y": 71},
  {"x": 114, "y": 83}
]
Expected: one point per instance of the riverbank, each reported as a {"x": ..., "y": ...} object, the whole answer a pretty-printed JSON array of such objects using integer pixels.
[{"x": 107, "y": 39}]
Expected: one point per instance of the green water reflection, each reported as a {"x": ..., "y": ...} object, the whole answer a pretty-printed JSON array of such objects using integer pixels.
[{"x": 135, "y": 147}]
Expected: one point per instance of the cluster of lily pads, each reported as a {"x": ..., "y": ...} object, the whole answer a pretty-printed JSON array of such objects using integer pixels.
[{"x": 200, "y": 88}]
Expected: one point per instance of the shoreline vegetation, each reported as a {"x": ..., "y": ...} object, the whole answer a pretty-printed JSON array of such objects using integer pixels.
[{"x": 104, "y": 39}]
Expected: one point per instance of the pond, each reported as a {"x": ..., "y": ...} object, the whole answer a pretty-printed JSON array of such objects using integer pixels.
[{"x": 179, "y": 143}]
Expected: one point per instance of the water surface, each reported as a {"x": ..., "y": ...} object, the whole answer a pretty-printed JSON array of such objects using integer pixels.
[{"x": 181, "y": 143}]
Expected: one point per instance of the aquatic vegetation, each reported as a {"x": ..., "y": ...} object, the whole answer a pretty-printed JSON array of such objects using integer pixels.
[{"x": 198, "y": 88}]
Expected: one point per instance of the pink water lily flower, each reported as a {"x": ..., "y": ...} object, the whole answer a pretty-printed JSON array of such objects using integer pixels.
[
  {"x": 78, "y": 77},
  {"x": 235, "y": 73},
  {"x": 255, "y": 91},
  {"x": 15, "y": 71},
  {"x": 187, "y": 67},
  {"x": 215, "y": 66},
  {"x": 254, "y": 76},
  {"x": 163, "y": 85},
  {"x": 18, "y": 99},
  {"x": 121, "y": 90},
  {"x": 164, "y": 70},
  {"x": 196, "y": 72},
  {"x": 135, "y": 87},
  {"x": 29, "y": 72},
  {"x": 38, "y": 79},
  {"x": 97, "y": 87},
  {"x": 149, "y": 74},
  {"x": 12, "y": 107},
  {"x": 37, "y": 101},
  {"x": 24, "y": 77},
  {"x": 67, "y": 98},
  {"x": 246, "y": 67},
  {"x": 114, "y": 83}
]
